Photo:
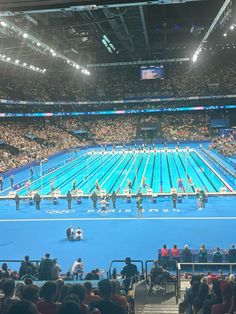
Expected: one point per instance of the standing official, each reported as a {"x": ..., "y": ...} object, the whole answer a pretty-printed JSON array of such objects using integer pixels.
[
  {"x": 69, "y": 199},
  {"x": 37, "y": 200},
  {"x": 17, "y": 200},
  {"x": 174, "y": 200},
  {"x": 94, "y": 198},
  {"x": 12, "y": 181},
  {"x": 1, "y": 183},
  {"x": 113, "y": 198},
  {"x": 31, "y": 172}
]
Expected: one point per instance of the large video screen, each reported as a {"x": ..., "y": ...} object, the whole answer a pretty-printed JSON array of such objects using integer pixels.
[{"x": 152, "y": 72}]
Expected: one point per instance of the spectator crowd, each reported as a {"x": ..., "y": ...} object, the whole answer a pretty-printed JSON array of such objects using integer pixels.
[
  {"x": 226, "y": 145},
  {"x": 24, "y": 141},
  {"x": 27, "y": 141},
  {"x": 117, "y": 83}
]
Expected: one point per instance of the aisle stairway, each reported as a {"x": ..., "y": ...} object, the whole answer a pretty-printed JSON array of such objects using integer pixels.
[{"x": 161, "y": 309}]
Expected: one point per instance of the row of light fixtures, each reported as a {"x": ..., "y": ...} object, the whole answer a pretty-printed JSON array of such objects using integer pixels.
[
  {"x": 17, "y": 62},
  {"x": 51, "y": 51},
  {"x": 196, "y": 54}
]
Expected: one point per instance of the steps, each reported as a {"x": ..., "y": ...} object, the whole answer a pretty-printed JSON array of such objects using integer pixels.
[{"x": 161, "y": 309}]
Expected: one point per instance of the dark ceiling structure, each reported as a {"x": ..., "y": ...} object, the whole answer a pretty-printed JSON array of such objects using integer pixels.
[{"x": 93, "y": 32}]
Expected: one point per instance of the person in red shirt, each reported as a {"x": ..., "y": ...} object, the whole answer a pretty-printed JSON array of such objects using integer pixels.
[
  {"x": 165, "y": 254},
  {"x": 175, "y": 251},
  {"x": 175, "y": 255},
  {"x": 164, "y": 251}
]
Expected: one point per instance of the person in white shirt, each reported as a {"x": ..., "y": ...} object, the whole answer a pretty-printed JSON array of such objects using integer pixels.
[
  {"x": 77, "y": 269},
  {"x": 78, "y": 234}
]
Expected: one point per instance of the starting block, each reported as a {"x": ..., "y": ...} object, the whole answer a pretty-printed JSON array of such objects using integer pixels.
[
  {"x": 154, "y": 198},
  {"x": 129, "y": 199},
  {"x": 223, "y": 190},
  {"x": 179, "y": 199},
  {"x": 31, "y": 201},
  {"x": 12, "y": 194},
  {"x": 55, "y": 201},
  {"x": 103, "y": 192},
  {"x": 149, "y": 191}
]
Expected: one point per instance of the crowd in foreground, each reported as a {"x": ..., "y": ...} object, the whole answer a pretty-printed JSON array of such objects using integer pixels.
[
  {"x": 62, "y": 296},
  {"x": 211, "y": 294},
  {"x": 56, "y": 297}
]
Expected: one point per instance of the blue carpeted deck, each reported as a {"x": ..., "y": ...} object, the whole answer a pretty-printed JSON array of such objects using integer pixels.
[{"x": 115, "y": 234}]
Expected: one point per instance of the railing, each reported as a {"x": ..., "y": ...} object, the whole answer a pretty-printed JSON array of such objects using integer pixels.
[{"x": 230, "y": 174}]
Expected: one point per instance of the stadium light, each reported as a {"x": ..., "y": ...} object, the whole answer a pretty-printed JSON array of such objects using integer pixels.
[
  {"x": 35, "y": 43},
  {"x": 195, "y": 56},
  {"x": 17, "y": 61},
  {"x": 4, "y": 24},
  {"x": 212, "y": 27},
  {"x": 232, "y": 27},
  {"x": 224, "y": 34}
]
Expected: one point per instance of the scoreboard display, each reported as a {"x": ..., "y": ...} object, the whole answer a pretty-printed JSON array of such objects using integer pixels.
[{"x": 152, "y": 72}]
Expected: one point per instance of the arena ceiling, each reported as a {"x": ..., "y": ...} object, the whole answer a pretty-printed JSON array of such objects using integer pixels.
[{"x": 136, "y": 31}]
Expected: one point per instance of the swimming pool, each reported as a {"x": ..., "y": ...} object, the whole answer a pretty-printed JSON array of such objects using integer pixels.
[{"x": 158, "y": 170}]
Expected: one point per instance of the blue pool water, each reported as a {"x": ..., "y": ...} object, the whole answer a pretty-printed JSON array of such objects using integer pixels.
[{"x": 161, "y": 170}]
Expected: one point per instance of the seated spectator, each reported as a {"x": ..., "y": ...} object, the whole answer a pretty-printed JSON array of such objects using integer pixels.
[
  {"x": 56, "y": 269},
  {"x": 215, "y": 298},
  {"x": 156, "y": 276},
  {"x": 18, "y": 290},
  {"x": 31, "y": 293},
  {"x": 165, "y": 254},
  {"x": 175, "y": 253},
  {"x": 232, "y": 254},
  {"x": 70, "y": 307},
  {"x": 105, "y": 305},
  {"x": 68, "y": 277},
  {"x": 77, "y": 269},
  {"x": 186, "y": 255},
  {"x": 45, "y": 268},
  {"x": 224, "y": 307},
  {"x": 92, "y": 275},
  {"x": 116, "y": 296},
  {"x": 8, "y": 298},
  {"x": 25, "y": 265},
  {"x": 202, "y": 255},
  {"x": 217, "y": 256},
  {"x": 48, "y": 293},
  {"x": 191, "y": 294},
  {"x": 28, "y": 274},
  {"x": 80, "y": 291},
  {"x": 5, "y": 272},
  {"x": 63, "y": 293},
  {"x": 203, "y": 294},
  {"x": 90, "y": 297},
  {"x": 23, "y": 306}
]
